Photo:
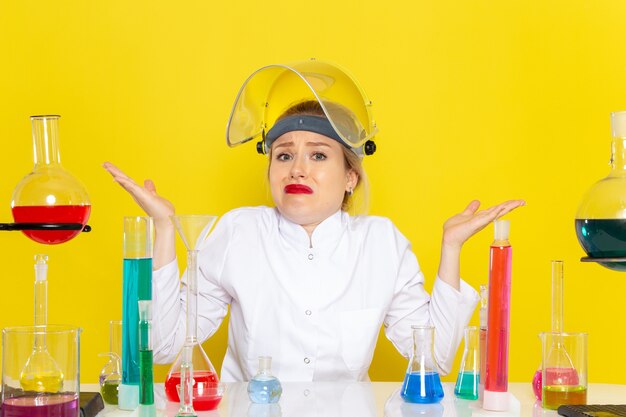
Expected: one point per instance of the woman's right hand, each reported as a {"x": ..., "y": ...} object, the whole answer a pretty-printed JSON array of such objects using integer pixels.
[{"x": 155, "y": 206}]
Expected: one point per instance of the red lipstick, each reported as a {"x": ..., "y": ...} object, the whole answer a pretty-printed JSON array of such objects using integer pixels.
[{"x": 298, "y": 189}]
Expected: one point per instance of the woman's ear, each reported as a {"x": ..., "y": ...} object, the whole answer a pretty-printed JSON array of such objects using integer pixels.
[{"x": 352, "y": 180}]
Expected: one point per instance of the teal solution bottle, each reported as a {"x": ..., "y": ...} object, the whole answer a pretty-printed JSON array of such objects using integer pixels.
[{"x": 137, "y": 286}]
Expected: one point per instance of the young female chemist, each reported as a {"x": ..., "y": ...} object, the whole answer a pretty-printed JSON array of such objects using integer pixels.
[{"x": 307, "y": 283}]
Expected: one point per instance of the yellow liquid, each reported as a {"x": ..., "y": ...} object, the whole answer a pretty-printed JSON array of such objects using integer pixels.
[
  {"x": 42, "y": 382},
  {"x": 556, "y": 395}
]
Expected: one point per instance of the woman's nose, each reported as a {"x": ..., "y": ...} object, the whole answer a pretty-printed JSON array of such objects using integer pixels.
[{"x": 298, "y": 168}]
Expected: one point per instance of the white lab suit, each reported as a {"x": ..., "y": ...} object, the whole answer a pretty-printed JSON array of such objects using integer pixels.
[{"x": 314, "y": 305}]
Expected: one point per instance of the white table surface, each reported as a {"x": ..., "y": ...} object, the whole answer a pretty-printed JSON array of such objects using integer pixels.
[{"x": 362, "y": 399}]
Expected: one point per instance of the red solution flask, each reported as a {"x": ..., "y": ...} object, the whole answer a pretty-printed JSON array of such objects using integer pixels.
[{"x": 49, "y": 194}]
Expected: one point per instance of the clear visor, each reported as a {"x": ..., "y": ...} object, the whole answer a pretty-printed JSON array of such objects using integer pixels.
[{"x": 271, "y": 90}]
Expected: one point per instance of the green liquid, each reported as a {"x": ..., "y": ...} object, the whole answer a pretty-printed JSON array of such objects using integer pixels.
[
  {"x": 603, "y": 238},
  {"x": 146, "y": 383},
  {"x": 466, "y": 386},
  {"x": 109, "y": 392}
]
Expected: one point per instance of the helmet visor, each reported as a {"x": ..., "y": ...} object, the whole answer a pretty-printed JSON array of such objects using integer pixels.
[{"x": 271, "y": 90}]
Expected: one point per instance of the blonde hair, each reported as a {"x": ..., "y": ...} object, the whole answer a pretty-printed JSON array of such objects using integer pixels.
[{"x": 351, "y": 160}]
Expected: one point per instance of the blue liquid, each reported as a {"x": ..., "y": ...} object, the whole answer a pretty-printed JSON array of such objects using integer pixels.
[
  {"x": 137, "y": 286},
  {"x": 467, "y": 385},
  {"x": 422, "y": 388},
  {"x": 264, "y": 390}
]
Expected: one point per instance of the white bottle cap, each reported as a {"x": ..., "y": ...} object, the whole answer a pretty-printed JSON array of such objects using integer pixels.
[{"x": 501, "y": 229}]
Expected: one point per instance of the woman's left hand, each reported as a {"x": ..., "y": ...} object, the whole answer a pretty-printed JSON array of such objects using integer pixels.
[{"x": 457, "y": 229}]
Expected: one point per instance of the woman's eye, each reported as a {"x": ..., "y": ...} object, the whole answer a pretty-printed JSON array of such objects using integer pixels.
[
  {"x": 318, "y": 156},
  {"x": 283, "y": 157}
]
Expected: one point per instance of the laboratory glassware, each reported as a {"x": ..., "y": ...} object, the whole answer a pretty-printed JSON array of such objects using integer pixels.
[
  {"x": 49, "y": 205},
  {"x": 568, "y": 387},
  {"x": 111, "y": 374},
  {"x": 264, "y": 388},
  {"x": 601, "y": 216},
  {"x": 559, "y": 363},
  {"x": 137, "y": 285},
  {"x": 495, "y": 396},
  {"x": 467, "y": 381},
  {"x": 192, "y": 379},
  {"x": 63, "y": 344},
  {"x": 41, "y": 373},
  {"x": 421, "y": 382},
  {"x": 484, "y": 301},
  {"x": 146, "y": 377}
]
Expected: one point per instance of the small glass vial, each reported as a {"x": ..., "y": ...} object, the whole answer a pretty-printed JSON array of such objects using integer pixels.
[
  {"x": 422, "y": 383},
  {"x": 264, "y": 388}
]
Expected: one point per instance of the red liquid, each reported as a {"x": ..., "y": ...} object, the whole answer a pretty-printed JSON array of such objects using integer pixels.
[
  {"x": 498, "y": 319},
  {"x": 51, "y": 214},
  {"x": 205, "y": 395},
  {"x": 55, "y": 405}
]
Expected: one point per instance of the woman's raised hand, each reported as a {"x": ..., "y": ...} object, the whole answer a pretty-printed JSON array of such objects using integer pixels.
[
  {"x": 457, "y": 229},
  {"x": 155, "y": 206}
]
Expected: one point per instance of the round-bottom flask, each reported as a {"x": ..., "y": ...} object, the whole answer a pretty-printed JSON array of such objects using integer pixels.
[
  {"x": 264, "y": 388},
  {"x": 422, "y": 383},
  {"x": 49, "y": 194},
  {"x": 601, "y": 217}
]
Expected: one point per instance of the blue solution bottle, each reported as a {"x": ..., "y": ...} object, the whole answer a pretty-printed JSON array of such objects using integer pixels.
[
  {"x": 422, "y": 384},
  {"x": 264, "y": 388},
  {"x": 137, "y": 285}
]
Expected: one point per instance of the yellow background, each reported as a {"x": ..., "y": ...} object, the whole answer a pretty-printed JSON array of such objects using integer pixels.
[{"x": 474, "y": 99}]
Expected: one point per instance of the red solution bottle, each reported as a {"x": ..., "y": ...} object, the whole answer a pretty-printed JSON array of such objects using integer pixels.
[
  {"x": 496, "y": 396},
  {"x": 49, "y": 194}
]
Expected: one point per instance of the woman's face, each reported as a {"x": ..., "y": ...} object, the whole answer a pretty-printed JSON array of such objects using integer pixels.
[{"x": 308, "y": 177}]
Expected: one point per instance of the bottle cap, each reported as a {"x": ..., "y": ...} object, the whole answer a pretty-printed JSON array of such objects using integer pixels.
[{"x": 501, "y": 229}]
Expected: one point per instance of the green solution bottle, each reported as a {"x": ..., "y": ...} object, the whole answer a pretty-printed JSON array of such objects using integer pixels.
[{"x": 146, "y": 380}]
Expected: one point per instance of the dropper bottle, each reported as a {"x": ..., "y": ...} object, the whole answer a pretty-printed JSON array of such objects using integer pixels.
[{"x": 496, "y": 397}]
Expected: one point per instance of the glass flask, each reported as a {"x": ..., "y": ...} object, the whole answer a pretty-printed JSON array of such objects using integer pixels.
[
  {"x": 601, "y": 216},
  {"x": 111, "y": 374},
  {"x": 559, "y": 364},
  {"x": 264, "y": 388},
  {"x": 50, "y": 195},
  {"x": 41, "y": 373},
  {"x": 192, "y": 379},
  {"x": 422, "y": 383},
  {"x": 58, "y": 397},
  {"x": 467, "y": 382}
]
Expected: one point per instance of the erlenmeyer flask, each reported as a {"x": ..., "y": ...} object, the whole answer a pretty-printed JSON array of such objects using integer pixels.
[
  {"x": 49, "y": 194},
  {"x": 192, "y": 375},
  {"x": 601, "y": 217},
  {"x": 422, "y": 383},
  {"x": 467, "y": 382}
]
